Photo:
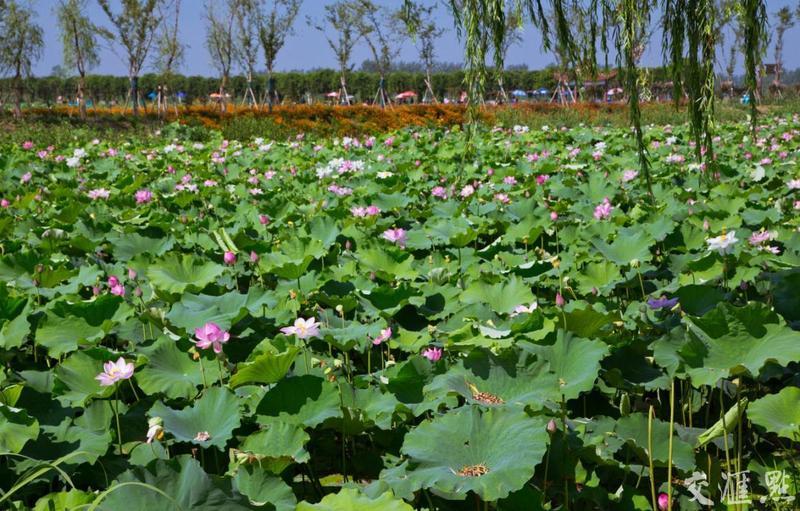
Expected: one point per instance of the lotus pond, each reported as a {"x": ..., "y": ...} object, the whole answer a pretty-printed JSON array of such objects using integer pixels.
[{"x": 384, "y": 324}]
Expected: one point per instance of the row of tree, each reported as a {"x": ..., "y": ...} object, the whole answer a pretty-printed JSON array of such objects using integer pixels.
[{"x": 293, "y": 86}]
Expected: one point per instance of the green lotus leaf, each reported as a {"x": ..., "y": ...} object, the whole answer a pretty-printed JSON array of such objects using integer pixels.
[
  {"x": 350, "y": 499},
  {"x": 182, "y": 483},
  {"x": 172, "y": 372},
  {"x": 215, "y": 413},
  {"x": 501, "y": 297},
  {"x": 573, "y": 361},
  {"x": 263, "y": 488},
  {"x": 627, "y": 248},
  {"x": 307, "y": 400},
  {"x": 16, "y": 429},
  {"x": 194, "y": 311},
  {"x": 126, "y": 246},
  {"x": 14, "y": 324},
  {"x": 633, "y": 429},
  {"x": 388, "y": 266},
  {"x": 603, "y": 277},
  {"x": 64, "y": 501},
  {"x": 293, "y": 259},
  {"x": 778, "y": 413},
  {"x": 176, "y": 274},
  {"x": 741, "y": 339},
  {"x": 277, "y": 439},
  {"x": 491, "y": 453},
  {"x": 265, "y": 368},
  {"x": 89, "y": 433}
]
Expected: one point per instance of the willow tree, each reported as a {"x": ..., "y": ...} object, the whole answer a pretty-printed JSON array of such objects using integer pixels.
[
  {"x": 341, "y": 18},
  {"x": 513, "y": 36},
  {"x": 690, "y": 40},
  {"x": 274, "y": 27},
  {"x": 752, "y": 16},
  {"x": 220, "y": 43},
  {"x": 21, "y": 44},
  {"x": 634, "y": 18},
  {"x": 375, "y": 26},
  {"x": 785, "y": 22},
  {"x": 420, "y": 24},
  {"x": 169, "y": 56},
  {"x": 136, "y": 27},
  {"x": 79, "y": 42},
  {"x": 246, "y": 47}
]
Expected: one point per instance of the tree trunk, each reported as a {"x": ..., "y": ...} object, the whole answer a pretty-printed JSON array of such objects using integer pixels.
[
  {"x": 135, "y": 94},
  {"x": 270, "y": 90},
  {"x": 18, "y": 94},
  {"x": 81, "y": 102}
]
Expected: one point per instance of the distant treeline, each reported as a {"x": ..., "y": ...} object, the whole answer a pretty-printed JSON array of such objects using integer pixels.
[{"x": 292, "y": 86}]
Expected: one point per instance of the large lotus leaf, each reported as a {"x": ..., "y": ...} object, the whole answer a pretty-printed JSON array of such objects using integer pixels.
[
  {"x": 778, "y": 413},
  {"x": 504, "y": 377},
  {"x": 633, "y": 429},
  {"x": 388, "y": 266},
  {"x": 574, "y": 361},
  {"x": 172, "y": 372},
  {"x": 787, "y": 299},
  {"x": 183, "y": 484},
  {"x": 215, "y": 413},
  {"x": 602, "y": 276},
  {"x": 265, "y": 368},
  {"x": 75, "y": 378},
  {"x": 263, "y": 488},
  {"x": 365, "y": 408},
  {"x": 64, "y": 501},
  {"x": 626, "y": 248},
  {"x": 293, "y": 258},
  {"x": 89, "y": 433},
  {"x": 741, "y": 338},
  {"x": 176, "y": 274},
  {"x": 126, "y": 246},
  {"x": 14, "y": 324},
  {"x": 278, "y": 439},
  {"x": 502, "y": 297},
  {"x": 62, "y": 335},
  {"x": 307, "y": 400},
  {"x": 16, "y": 429},
  {"x": 194, "y": 311},
  {"x": 350, "y": 499},
  {"x": 491, "y": 453}
]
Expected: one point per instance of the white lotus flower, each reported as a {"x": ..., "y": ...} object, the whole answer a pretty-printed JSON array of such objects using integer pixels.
[{"x": 722, "y": 244}]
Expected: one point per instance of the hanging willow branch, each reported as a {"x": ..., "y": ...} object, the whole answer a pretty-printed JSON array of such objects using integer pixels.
[
  {"x": 753, "y": 20},
  {"x": 634, "y": 16}
]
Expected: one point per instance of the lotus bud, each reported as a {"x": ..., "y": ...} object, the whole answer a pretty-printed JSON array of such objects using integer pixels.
[
  {"x": 137, "y": 292},
  {"x": 625, "y": 404},
  {"x": 229, "y": 257},
  {"x": 131, "y": 274},
  {"x": 559, "y": 300},
  {"x": 339, "y": 308},
  {"x": 552, "y": 427},
  {"x": 253, "y": 257},
  {"x": 663, "y": 502}
]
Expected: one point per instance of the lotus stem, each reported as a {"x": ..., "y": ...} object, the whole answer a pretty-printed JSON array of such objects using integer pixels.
[
  {"x": 116, "y": 417},
  {"x": 671, "y": 434},
  {"x": 650, "y": 414}
]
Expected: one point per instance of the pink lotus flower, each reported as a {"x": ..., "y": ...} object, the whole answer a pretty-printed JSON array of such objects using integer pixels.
[
  {"x": 502, "y": 198},
  {"x": 113, "y": 281},
  {"x": 143, "y": 196},
  {"x": 303, "y": 328},
  {"x": 510, "y": 180},
  {"x": 553, "y": 216},
  {"x": 27, "y": 145},
  {"x": 373, "y": 210},
  {"x": 524, "y": 309},
  {"x": 603, "y": 211},
  {"x": 559, "y": 300},
  {"x": 432, "y": 354},
  {"x": 542, "y": 179},
  {"x": 253, "y": 256},
  {"x": 99, "y": 193},
  {"x": 211, "y": 336},
  {"x": 439, "y": 191},
  {"x": 397, "y": 236},
  {"x": 263, "y": 219},
  {"x": 131, "y": 274},
  {"x": 385, "y": 334},
  {"x": 202, "y": 436},
  {"x": 629, "y": 175},
  {"x": 26, "y": 177},
  {"x": 114, "y": 372},
  {"x": 229, "y": 258},
  {"x": 760, "y": 237},
  {"x": 467, "y": 191},
  {"x": 118, "y": 290},
  {"x": 663, "y": 501},
  {"x": 4, "y": 203}
]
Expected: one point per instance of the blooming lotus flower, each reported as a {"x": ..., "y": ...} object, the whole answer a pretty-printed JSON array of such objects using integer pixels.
[
  {"x": 439, "y": 191},
  {"x": 27, "y": 145},
  {"x": 4, "y": 203},
  {"x": 467, "y": 191},
  {"x": 26, "y": 177},
  {"x": 229, "y": 257},
  {"x": 98, "y": 193},
  {"x": 263, "y": 219},
  {"x": 143, "y": 196},
  {"x": 396, "y": 236},
  {"x": 118, "y": 290},
  {"x": 155, "y": 431},
  {"x": 202, "y": 436},
  {"x": 114, "y": 372},
  {"x": 385, "y": 334},
  {"x": 603, "y": 210},
  {"x": 760, "y": 237},
  {"x": 723, "y": 243},
  {"x": 794, "y": 184},
  {"x": 524, "y": 309},
  {"x": 542, "y": 179},
  {"x": 662, "y": 303},
  {"x": 211, "y": 336},
  {"x": 303, "y": 328},
  {"x": 113, "y": 281},
  {"x": 432, "y": 354},
  {"x": 629, "y": 175},
  {"x": 510, "y": 180}
]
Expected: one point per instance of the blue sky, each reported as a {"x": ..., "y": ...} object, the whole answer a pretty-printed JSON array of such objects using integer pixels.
[{"x": 308, "y": 49}]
